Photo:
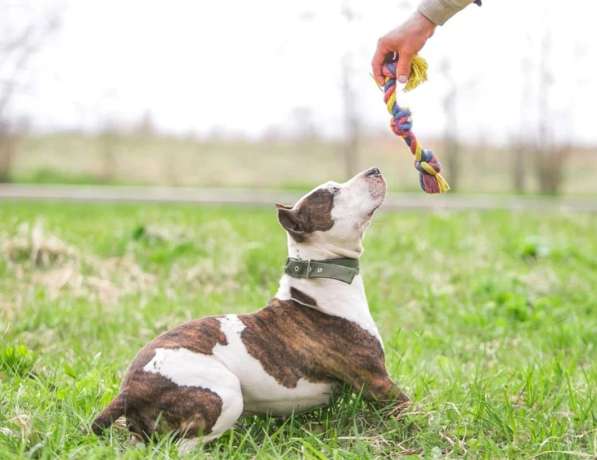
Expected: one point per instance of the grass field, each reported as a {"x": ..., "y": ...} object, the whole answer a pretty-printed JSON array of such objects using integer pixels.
[
  {"x": 489, "y": 320},
  {"x": 162, "y": 160}
]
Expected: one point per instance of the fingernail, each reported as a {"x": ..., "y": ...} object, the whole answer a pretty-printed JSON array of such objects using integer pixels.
[{"x": 402, "y": 78}]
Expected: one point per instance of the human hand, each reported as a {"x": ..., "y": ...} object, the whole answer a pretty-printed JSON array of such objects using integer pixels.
[{"x": 406, "y": 40}]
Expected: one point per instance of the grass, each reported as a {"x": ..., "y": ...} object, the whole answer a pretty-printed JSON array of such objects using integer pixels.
[{"x": 489, "y": 320}]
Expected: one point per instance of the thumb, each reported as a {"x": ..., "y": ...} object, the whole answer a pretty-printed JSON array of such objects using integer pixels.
[
  {"x": 377, "y": 64},
  {"x": 403, "y": 67}
]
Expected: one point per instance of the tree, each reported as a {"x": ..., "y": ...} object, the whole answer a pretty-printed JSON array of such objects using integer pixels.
[
  {"x": 520, "y": 147},
  {"x": 549, "y": 154},
  {"x": 451, "y": 141},
  {"x": 304, "y": 126},
  {"x": 352, "y": 122},
  {"x": 22, "y": 33}
]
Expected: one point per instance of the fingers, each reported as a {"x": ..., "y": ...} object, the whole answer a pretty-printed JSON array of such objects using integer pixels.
[
  {"x": 403, "y": 66},
  {"x": 377, "y": 62}
]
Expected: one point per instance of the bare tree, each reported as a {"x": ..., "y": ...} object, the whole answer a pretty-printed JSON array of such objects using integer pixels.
[
  {"x": 18, "y": 44},
  {"x": 352, "y": 122},
  {"x": 108, "y": 138},
  {"x": 7, "y": 152},
  {"x": 304, "y": 126},
  {"x": 520, "y": 147},
  {"x": 451, "y": 141},
  {"x": 146, "y": 126},
  {"x": 549, "y": 154}
]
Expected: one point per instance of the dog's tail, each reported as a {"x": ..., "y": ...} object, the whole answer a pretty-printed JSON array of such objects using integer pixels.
[{"x": 109, "y": 415}]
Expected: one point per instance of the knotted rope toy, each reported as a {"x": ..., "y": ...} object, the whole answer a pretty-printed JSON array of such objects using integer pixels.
[{"x": 425, "y": 161}]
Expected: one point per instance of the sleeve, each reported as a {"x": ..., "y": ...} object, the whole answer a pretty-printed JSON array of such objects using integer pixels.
[{"x": 439, "y": 11}]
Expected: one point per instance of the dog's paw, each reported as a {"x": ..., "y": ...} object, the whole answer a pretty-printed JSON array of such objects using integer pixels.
[
  {"x": 401, "y": 407},
  {"x": 186, "y": 446}
]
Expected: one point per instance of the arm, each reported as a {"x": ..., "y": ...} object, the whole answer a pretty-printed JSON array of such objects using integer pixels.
[{"x": 439, "y": 11}]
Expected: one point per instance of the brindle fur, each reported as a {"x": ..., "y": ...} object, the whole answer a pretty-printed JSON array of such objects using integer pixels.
[
  {"x": 290, "y": 340},
  {"x": 314, "y": 213},
  {"x": 147, "y": 398},
  {"x": 301, "y": 297},
  {"x": 293, "y": 341}
]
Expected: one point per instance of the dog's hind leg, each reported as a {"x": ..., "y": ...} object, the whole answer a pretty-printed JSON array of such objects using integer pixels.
[
  {"x": 200, "y": 408},
  {"x": 204, "y": 413},
  {"x": 192, "y": 414},
  {"x": 109, "y": 415},
  {"x": 182, "y": 392},
  {"x": 192, "y": 401},
  {"x": 185, "y": 446}
]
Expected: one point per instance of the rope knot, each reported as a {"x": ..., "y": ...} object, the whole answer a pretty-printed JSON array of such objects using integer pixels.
[
  {"x": 401, "y": 124},
  {"x": 428, "y": 164}
]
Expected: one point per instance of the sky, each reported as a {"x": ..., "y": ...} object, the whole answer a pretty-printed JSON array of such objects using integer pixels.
[{"x": 243, "y": 68}]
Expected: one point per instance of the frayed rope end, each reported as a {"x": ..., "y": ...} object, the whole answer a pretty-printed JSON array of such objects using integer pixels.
[
  {"x": 426, "y": 162},
  {"x": 418, "y": 73}
]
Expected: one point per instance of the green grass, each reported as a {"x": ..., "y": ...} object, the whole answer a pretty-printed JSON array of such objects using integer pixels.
[
  {"x": 54, "y": 176},
  {"x": 489, "y": 320}
]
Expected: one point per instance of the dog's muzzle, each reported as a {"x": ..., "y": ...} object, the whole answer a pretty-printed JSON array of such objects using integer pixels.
[{"x": 373, "y": 172}]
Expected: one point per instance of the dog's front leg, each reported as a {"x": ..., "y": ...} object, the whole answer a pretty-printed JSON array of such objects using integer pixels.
[
  {"x": 385, "y": 391},
  {"x": 379, "y": 388},
  {"x": 365, "y": 371}
]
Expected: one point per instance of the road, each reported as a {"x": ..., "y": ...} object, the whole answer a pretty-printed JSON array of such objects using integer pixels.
[{"x": 263, "y": 197}]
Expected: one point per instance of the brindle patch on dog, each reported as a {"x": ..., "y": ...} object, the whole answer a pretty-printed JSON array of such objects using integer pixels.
[
  {"x": 150, "y": 397},
  {"x": 293, "y": 341},
  {"x": 200, "y": 336},
  {"x": 314, "y": 213},
  {"x": 154, "y": 403},
  {"x": 301, "y": 297}
]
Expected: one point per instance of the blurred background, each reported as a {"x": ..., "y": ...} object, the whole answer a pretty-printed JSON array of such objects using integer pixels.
[{"x": 278, "y": 94}]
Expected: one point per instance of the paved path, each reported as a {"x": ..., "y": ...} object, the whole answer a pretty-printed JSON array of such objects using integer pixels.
[{"x": 261, "y": 197}]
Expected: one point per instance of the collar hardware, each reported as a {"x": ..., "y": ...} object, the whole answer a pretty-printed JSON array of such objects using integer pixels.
[{"x": 344, "y": 269}]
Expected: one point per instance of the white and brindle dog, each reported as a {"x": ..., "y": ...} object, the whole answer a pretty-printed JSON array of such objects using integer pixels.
[{"x": 197, "y": 379}]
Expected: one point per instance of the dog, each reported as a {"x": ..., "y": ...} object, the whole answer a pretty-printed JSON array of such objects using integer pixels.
[{"x": 316, "y": 334}]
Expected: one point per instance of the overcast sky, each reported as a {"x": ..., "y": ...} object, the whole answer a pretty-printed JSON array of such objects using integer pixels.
[{"x": 243, "y": 66}]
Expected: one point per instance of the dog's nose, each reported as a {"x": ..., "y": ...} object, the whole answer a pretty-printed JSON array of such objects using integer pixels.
[{"x": 373, "y": 172}]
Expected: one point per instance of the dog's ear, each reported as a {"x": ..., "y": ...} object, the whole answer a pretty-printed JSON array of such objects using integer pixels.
[
  {"x": 282, "y": 206},
  {"x": 292, "y": 222}
]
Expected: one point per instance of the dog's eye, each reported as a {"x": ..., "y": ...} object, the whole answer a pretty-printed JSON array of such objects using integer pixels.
[{"x": 335, "y": 190}]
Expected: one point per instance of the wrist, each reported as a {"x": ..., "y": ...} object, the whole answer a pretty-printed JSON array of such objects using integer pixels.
[{"x": 424, "y": 24}]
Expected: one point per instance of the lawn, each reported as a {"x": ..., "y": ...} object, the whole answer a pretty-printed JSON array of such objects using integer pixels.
[{"x": 489, "y": 321}]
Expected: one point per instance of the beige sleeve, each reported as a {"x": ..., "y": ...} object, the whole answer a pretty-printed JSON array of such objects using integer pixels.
[{"x": 439, "y": 11}]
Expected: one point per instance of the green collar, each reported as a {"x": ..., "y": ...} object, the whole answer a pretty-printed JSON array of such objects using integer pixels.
[{"x": 337, "y": 269}]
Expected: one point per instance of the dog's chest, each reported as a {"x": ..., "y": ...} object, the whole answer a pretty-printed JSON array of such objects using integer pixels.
[{"x": 270, "y": 381}]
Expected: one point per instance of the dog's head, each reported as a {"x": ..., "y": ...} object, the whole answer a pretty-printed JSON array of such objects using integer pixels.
[{"x": 333, "y": 217}]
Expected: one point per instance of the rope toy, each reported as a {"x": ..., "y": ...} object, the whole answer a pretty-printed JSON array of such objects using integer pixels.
[{"x": 425, "y": 161}]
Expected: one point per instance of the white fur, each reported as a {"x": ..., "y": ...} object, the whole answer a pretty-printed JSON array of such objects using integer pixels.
[
  {"x": 239, "y": 378},
  {"x": 261, "y": 392},
  {"x": 354, "y": 204},
  {"x": 334, "y": 298},
  {"x": 187, "y": 368},
  {"x": 186, "y": 445}
]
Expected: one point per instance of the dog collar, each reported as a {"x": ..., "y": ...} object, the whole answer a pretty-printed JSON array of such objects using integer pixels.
[{"x": 337, "y": 269}]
